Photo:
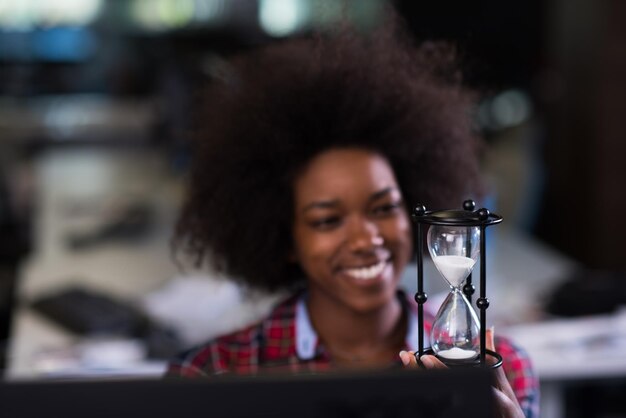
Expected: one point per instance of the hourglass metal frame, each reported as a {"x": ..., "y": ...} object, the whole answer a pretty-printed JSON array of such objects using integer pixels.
[{"x": 468, "y": 217}]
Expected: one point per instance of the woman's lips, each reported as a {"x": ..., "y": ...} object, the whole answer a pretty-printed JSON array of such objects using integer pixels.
[{"x": 366, "y": 273}]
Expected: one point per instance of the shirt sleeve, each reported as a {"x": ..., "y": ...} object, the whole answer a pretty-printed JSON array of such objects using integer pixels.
[{"x": 519, "y": 372}]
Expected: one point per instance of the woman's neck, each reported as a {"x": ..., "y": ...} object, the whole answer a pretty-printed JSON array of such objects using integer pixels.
[{"x": 363, "y": 338}]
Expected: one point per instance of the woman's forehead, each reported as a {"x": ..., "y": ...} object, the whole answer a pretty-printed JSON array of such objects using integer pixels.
[{"x": 337, "y": 172}]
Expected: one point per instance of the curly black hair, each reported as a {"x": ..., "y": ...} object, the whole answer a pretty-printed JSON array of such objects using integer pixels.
[{"x": 286, "y": 103}]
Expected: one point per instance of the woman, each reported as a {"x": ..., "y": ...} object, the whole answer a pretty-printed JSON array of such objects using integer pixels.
[{"x": 308, "y": 158}]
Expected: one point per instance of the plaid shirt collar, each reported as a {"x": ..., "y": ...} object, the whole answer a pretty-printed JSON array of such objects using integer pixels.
[{"x": 307, "y": 340}]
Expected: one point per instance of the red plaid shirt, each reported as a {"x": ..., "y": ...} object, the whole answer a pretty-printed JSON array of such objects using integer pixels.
[{"x": 286, "y": 340}]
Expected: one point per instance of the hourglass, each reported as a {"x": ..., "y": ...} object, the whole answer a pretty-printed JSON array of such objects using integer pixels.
[
  {"x": 456, "y": 242},
  {"x": 455, "y": 331}
]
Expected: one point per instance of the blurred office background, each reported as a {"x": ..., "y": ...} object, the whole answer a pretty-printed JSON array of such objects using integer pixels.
[{"x": 95, "y": 105}]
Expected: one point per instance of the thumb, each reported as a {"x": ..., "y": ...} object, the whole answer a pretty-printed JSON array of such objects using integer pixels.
[{"x": 489, "y": 337}]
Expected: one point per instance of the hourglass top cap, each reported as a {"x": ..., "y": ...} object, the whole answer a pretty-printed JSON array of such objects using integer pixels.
[{"x": 478, "y": 217}]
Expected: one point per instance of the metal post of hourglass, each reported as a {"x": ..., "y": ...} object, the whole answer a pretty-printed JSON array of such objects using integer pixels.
[
  {"x": 482, "y": 302},
  {"x": 420, "y": 296},
  {"x": 469, "y": 218},
  {"x": 469, "y": 289}
]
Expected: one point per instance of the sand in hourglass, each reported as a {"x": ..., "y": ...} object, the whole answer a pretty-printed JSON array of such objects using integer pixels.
[
  {"x": 455, "y": 268},
  {"x": 456, "y": 353}
]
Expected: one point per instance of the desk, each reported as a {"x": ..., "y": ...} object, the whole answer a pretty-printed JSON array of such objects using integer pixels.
[
  {"x": 73, "y": 186},
  {"x": 565, "y": 352}
]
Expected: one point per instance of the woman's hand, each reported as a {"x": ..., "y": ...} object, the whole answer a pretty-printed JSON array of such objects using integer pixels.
[
  {"x": 507, "y": 405},
  {"x": 430, "y": 362}
]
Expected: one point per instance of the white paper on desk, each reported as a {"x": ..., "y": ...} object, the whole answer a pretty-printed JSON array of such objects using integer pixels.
[
  {"x": 200, "y": 307},
  {"x": 98, "y": 357},
  {"x": 581, "y": 347}
]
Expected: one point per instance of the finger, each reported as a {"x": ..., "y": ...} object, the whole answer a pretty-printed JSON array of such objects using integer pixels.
[
  {"x": 432, "y": 362},
  {"x": 408, "y": 358},
  {"x": 505, "y": 406},
  {"x": 502, "y": 383},
  {"x": 490, "y": 344},
  {"x": 490, "y": 339}
]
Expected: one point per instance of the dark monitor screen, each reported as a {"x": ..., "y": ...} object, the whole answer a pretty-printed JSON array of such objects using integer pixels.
[{"x": 415, "y": 394}]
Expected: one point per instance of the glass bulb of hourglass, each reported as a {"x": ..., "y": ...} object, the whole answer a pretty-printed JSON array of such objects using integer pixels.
[{"x": 455, "y": 332}]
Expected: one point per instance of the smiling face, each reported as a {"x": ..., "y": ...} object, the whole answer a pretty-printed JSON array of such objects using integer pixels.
[{"x": 351, "y": 231}]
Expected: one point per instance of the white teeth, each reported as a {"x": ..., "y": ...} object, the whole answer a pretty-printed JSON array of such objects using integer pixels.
[{"x": 367, "y": 273}]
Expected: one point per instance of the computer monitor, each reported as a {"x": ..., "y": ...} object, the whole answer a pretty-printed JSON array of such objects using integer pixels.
[{"x": 402, "y": 393}]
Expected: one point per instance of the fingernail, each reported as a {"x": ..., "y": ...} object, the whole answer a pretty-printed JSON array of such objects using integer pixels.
[
  {"x": 404, "y": 357},
  {"x": 427, "y": 361}
]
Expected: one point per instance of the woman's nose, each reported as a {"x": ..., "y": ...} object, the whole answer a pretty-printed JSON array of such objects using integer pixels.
[{"x": 364, "y": 235}]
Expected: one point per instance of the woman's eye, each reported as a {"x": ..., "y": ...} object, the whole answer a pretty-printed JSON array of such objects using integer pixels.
[
  {"x": 328, "y": 222},
  {"x": 386, "y": 208}
]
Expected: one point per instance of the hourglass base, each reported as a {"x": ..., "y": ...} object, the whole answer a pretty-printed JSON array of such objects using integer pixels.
[{"x": 475, "y": 362}]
